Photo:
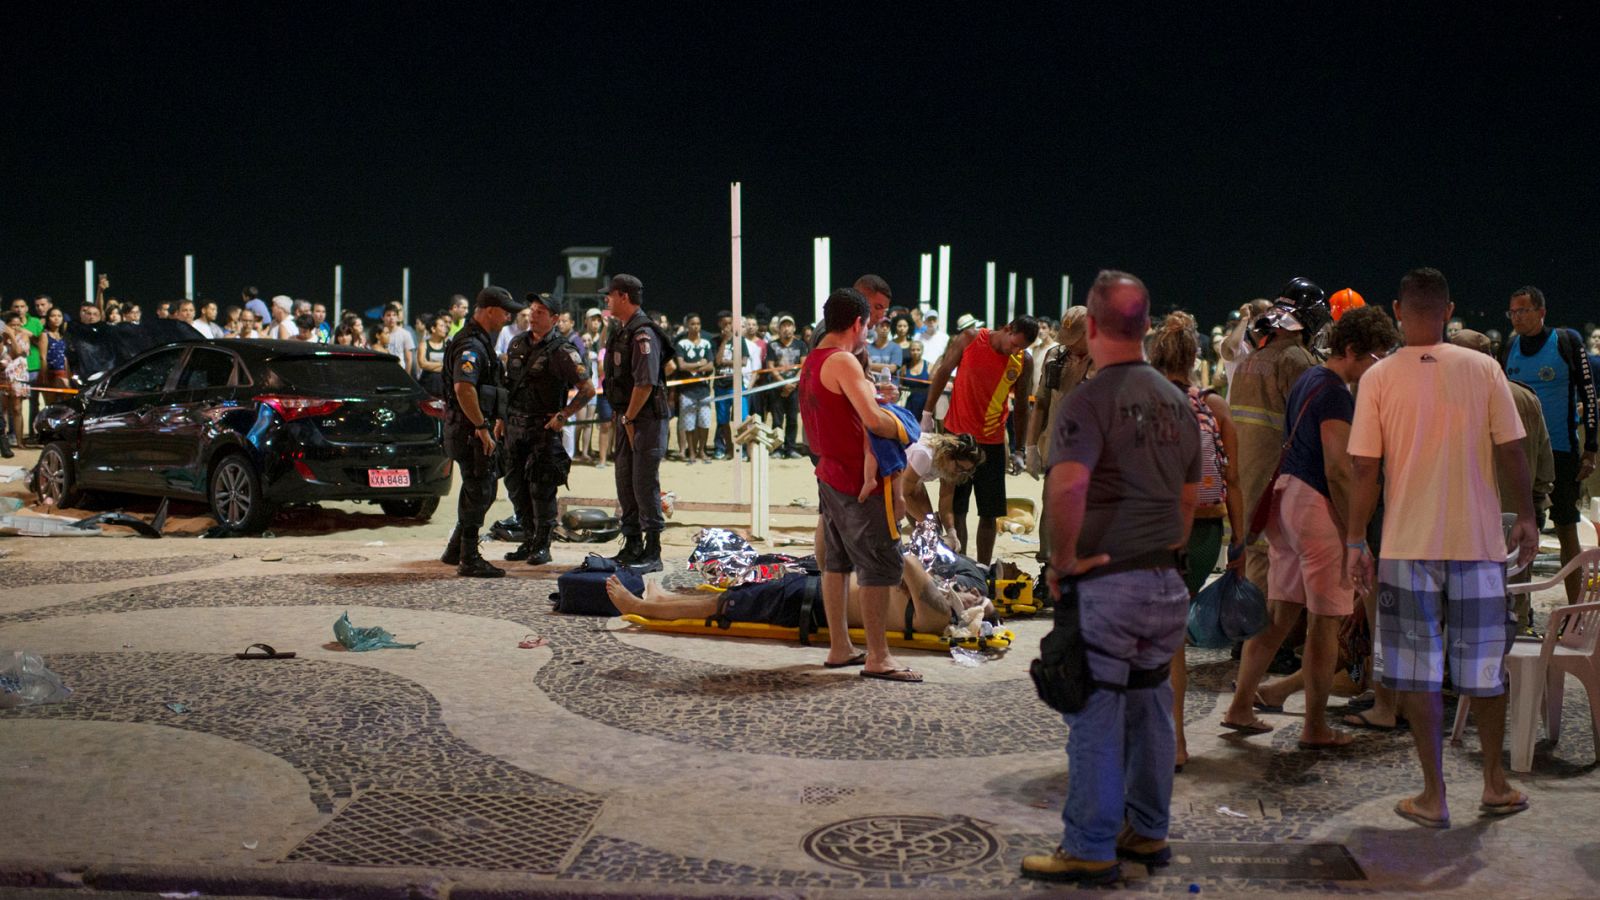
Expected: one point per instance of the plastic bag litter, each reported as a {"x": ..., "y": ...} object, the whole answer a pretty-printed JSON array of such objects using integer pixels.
[
  {"x": 972, "y": 659},
  {"x": 1226, "y": 611},
  {"x": 24, "y": 680},
  {"x": 369, "y": 638}
]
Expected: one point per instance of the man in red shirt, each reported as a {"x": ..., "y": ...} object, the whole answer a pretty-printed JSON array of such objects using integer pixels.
[
  {"x": 838, "y": 407},
  {"x": 996, "y": 371}
]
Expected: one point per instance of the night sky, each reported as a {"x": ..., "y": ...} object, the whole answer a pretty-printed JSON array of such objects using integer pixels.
[{"x": 1216, "y": 154}]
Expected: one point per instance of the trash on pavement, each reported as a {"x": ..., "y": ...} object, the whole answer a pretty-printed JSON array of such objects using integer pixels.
[
  {"x": 177, "y": 707},
  {"x": 369, "y": 638},
  {"x": 24, "y": 680}
]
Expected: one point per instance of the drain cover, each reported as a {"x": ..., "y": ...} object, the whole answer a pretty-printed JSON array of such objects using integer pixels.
[
  {"x": 476, "y": 831},
  {"x": 1317, "y": 862},
  {"x": 910, "y": 845},
  {"x": 824, "y": 794}
]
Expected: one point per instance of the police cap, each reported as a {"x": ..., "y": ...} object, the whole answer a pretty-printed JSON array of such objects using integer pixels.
[{"x": 497, "y": 296}]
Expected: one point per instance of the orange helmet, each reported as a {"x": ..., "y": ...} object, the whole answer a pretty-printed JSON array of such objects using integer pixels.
[{"x": 1343, "y": 301}]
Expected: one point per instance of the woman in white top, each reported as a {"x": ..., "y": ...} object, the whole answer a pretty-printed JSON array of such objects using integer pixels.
[{"x": 946, "y": 458}]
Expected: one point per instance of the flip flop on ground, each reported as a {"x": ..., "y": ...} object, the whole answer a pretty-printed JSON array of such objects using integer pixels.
[
  {"x": 1505, "y": 809},
  {"x": 860, "y": 659},
  {"x": 905, "y": 675},
  {"x": 1360, "y": 720},
  {"x": 267, "y": 652},
  {"x": 1254, "y": 726},
  {"x": 1340, "y": 739},
  {"x": 1405, "y": 810},
  {"x": 1263, "y": 706}
]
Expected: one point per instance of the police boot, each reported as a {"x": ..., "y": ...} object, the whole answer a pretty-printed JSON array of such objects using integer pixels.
[
  {"x": 452, "y": 550},
  {"x": 649, "y": 559},
  {"x": 632, "y": 546},
  {"x": 540, "y": 545},
  {"x": 473, "y": 565},
  {"x": 523, "y": 551}
]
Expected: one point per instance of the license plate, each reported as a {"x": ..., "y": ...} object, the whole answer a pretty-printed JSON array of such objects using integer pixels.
[{"x": 386, "y": 478}]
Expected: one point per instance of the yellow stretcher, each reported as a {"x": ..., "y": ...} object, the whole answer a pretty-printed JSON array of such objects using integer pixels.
[
  {"x": 1000, "y": 640},
  {"x": 1013, "y": 597}
]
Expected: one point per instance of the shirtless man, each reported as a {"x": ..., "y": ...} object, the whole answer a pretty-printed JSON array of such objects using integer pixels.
[{"x": 778, "y": 602}]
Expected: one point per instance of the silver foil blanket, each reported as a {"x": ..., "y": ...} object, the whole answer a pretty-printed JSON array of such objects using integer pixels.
[{"x": 724, "y": 559}]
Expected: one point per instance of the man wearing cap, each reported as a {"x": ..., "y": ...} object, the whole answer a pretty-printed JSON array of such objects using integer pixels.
[
  {"x": 474, "y": 421},
  {"x": 785, "y": 354},
  {"x": 542, "y": 368},
  {"x": 636, "y": 356}
]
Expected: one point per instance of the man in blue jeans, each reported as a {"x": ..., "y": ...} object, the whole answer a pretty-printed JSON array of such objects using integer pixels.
[{"x": 1124, "y": 475}]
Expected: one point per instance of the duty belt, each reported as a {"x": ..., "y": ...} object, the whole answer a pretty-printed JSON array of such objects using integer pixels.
[{"x": 522, "y": 421}]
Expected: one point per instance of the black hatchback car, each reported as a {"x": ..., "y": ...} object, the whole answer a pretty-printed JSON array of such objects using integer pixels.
[{"x": 249, "y": 425}]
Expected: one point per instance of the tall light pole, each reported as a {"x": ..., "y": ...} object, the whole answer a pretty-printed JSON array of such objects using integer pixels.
[
  {"x": 188, "y": 277},
  {"x": 925, "y": 285},
  {"x": 338, "y": 292},
  {"x": 990, "y": 274},
  {"x": 1011, "y": 297},
  {"x": 944, "y": 285},
  {"x": 821, "y": 273}
]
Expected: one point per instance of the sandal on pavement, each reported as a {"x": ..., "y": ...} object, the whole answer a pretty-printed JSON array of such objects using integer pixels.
[
  {"x": 1504, "y": 809},
  {"x": 1252, "y": 727},
  {"x": 267, "y": 652},
  {"x": 1263, "y": 706},
  {"x": 906, "y": 675},
  {"x": 860, "y": 659},
  {"x": 1360, "y": 720},
  {"x": 1406, "y": 811}
]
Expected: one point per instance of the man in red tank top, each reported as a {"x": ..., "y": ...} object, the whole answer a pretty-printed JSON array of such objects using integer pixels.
[
  {"x": 838, "y": 408},
  {"x": 996, "y": 372}
]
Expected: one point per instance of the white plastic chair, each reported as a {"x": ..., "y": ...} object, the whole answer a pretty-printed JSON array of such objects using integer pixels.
[{"x": 1538, "y": 671}]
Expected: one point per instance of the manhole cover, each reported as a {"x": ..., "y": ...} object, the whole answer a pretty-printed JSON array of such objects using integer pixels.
[
  {"x": 474, "y": 831},
  {"x": 910, "y": 845}
]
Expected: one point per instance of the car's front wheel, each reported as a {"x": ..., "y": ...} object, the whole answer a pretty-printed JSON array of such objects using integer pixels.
[
  {"x": 237, "y": 501},
  {"x": 53, "y": 478},
  {"x": 420, "y": 509}
]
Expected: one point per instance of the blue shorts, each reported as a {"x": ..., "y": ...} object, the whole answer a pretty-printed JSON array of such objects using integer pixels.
[
  {"x": 1431, "y": 612},
  {"x": 602, "y": 408}
]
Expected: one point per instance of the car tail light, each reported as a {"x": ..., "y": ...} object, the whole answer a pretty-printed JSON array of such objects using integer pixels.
[
  {"x": 434, "y": 407},
  {"x": 291, "y": 408}
]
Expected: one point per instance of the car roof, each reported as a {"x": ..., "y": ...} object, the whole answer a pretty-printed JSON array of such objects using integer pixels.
[{"x": 264, "y": 349}]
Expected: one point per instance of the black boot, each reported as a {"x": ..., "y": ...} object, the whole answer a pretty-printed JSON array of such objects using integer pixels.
[
  {"x": 522, "y": 552},
  {"x": 649, "y": 559},
  {"x": 452, "y": 550},
  {"x": 632, "y": 546},
  {"x": 5, "y": 446},
  {"x": 540, "y": 545},
  {"x": 473, "y": 565}
]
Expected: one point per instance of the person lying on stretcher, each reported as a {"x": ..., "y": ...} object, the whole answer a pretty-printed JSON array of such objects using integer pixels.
[{"x": 781, "y": 602}]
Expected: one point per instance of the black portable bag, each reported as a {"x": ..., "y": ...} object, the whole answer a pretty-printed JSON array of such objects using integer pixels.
[
  {"x": 1061, "y": 673},
  {"x": 582, "y": 591}
]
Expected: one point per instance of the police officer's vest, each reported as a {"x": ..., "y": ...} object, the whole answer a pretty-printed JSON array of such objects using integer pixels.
[
  {"x": 619, "y": 367},
  {"x": 532, "y": 385},
  {"x": 491, "y": 398}
]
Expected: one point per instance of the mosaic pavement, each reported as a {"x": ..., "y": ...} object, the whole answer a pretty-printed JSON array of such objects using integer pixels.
[{"x": 397, "y": 787}]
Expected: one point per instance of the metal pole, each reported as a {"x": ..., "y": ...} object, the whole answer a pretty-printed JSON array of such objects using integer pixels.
[
  {"x": 338, "y": 292},
  {"x": 188, "y": 277},
  {"x": 944, "y": 285},
  {"x": 989, "y": 277},
  {"x": 486, "y": 279},
  {"x": 88, "y": 281},
  {"x": 405, "y": 296},
  {"x": 1011, "y": 297},
  {"x": 736, "y": 416},
  {"x": 1030, "y": 297},
  {"x": 819, "y": 280},
  {"x": 1066, "y": 295},
  {"x": 925, "y": 285}
]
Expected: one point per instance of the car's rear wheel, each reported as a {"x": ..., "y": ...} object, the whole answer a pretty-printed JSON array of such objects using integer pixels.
[
  {"x": 53, "y": 479},
  {"x": 421, "y": 509},
  {"x": 237, "y": 501}
]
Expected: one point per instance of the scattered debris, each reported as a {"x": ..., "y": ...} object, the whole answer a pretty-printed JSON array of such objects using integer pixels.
[
  {"x": 251, "y": 845},
  {"x": 374, "y": 544},
  {"x": 272, "y": 557},
  {"x": 532, "y": 642},
  {"x": 1230, "y": 812},
  {"x": 369, "y": 638},
  {"x": 25, "y": 681},
  {"x": 972, "y": 659},
  {"x": 41, "y": 525},
  {"x": 175, "y": 706},
  {"x": 12, "y": 473}
]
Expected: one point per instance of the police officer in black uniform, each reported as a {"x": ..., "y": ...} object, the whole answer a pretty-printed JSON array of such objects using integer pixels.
[
  {"x": 542, "y": 368},
  {"x": 475, "y": 423},
  {"x": 635, "y": 358}
]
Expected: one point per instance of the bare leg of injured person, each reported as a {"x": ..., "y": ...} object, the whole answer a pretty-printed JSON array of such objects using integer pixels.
[{"x": 931, "y": 606}]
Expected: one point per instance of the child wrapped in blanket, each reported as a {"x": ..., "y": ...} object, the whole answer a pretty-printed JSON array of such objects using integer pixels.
[{"x": 886, "y": 458}]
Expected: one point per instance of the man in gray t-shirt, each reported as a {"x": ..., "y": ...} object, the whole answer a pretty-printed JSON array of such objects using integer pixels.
[{"x": 1124, "y": 472}]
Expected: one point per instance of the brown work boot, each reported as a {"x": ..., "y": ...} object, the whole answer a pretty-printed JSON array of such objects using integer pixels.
[
  {"x": 1060, "y": 865},
  {"x": 1135, "y": 846}
]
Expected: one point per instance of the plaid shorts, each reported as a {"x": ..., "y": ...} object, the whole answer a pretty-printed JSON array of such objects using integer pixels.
[{"x": 1427, "y": 606}]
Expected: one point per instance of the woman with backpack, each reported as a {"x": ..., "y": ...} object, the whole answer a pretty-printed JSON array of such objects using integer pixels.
[{"x": 1173, "y": 350}]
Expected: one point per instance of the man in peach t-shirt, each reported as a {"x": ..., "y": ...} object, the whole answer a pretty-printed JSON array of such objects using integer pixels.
[{"x": 1438, "y": 417}]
